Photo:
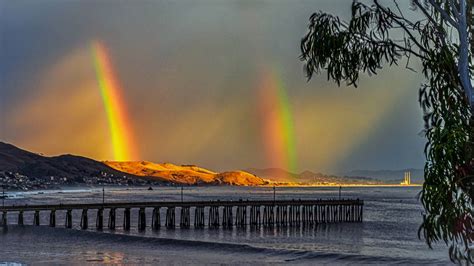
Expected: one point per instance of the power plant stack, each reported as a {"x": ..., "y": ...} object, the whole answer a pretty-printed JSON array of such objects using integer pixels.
[{"x": 406, "y": 179}]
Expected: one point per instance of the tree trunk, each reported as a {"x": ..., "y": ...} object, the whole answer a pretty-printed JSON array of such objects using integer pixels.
[
  {"x": 469, "y": 19},
  {"x": 463, "y": 64},
  {"x": 470, "y": 26},
  {"x": 470, "y": 154}
]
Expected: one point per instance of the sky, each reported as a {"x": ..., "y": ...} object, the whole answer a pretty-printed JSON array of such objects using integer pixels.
[{"x": 213, "y": 83}]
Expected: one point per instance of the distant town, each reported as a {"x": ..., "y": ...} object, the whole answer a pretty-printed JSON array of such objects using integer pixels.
[{"x": 16, "y": 181}]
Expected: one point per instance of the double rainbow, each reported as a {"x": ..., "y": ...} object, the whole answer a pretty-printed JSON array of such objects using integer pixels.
[
  {"x": 121, "y": 135},
  {"x": 277, "y": 121}
]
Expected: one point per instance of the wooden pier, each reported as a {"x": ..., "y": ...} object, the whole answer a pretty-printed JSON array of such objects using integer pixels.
[{"x": 225, "y": 214}]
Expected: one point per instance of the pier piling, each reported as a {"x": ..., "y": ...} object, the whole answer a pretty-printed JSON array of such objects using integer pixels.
[
  {"x": 20, "y": 218},
  {"x": 214, "y": 217},
  {"x": 141, "y": 219},
  {"x": 68, "y": 219},
  {"x": 185, "y": 218},
  {"x": 52, "y": 218},
  {"x": 170, "y": 218},
  {"x": 156, "y": 219},
  {"x": 241, "y": 217},
  {"x": 227, "y": 218},
  {"x": 126, "y": 219},
  {"x": 268, "y": 216},
  {"x": 199, "y": 217},
  {"x": 111, "y": 222},
  {"x": 4, "y": 221},
  {"x": 36, "y": 218},
  {"x": 84, "y": 220},
  {"x": 99, "y": 222}
]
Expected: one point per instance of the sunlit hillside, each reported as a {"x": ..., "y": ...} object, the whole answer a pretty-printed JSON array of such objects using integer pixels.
[{"x": 186, "y": 174}]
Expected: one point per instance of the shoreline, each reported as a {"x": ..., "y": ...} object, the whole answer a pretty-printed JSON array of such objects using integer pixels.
[{"x": 88, "y": 187}]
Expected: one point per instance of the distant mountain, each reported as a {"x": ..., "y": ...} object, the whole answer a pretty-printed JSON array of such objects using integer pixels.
[
  {"x": 307, "y": 177},
  {"x": 16, "y": 160},
  {"x": 273, "y": 174},
  {"x": 390, "y": 176}
]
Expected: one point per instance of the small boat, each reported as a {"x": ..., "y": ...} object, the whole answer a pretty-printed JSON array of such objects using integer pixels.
[{"x": 150, "y": 188}]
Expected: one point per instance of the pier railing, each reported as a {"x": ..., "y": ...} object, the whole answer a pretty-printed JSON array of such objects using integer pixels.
[{"x": 228, "y": 214}]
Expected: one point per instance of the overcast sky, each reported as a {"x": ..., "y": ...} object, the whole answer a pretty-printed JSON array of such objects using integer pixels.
[{"x": 191, "y": 73}]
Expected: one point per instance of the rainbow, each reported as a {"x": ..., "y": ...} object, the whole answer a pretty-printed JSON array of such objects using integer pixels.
[
  {"x": 116, "y": 111},
  {"x": 277, "y": 122}
]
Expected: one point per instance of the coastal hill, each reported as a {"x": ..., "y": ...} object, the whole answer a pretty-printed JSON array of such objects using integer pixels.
[
  {"x": 23, "y": 169},
  {"x": 71, "y": 167},
  {"x": 187, "y": 174}
]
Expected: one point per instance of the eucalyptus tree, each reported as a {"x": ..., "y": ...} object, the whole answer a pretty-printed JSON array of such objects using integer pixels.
[{"x": 439, "y": 33}]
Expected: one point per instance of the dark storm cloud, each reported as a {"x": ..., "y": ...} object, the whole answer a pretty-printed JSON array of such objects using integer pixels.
[{"x": 190, "y": 71}]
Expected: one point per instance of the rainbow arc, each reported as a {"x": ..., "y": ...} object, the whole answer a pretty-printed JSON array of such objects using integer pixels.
[
  {"x": 277, "y": 120},
  {"x": 121, "y": 135}
]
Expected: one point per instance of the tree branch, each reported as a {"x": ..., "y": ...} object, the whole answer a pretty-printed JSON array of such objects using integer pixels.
[
  {"x": 454, "y": 9},
  {"x": 401, "y": 24},
  {"x": 425, "y": 12},
  {"x": 444, "y": 14},
  {"x": 430, "y": 18},
  {"x": 402, "y": 48}
]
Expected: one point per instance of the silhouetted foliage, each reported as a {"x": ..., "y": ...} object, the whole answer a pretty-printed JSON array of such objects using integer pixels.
[{"x": 379, "y": 35}]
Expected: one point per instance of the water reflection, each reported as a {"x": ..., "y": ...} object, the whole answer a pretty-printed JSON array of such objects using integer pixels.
[{"x": 91, "y": 256}]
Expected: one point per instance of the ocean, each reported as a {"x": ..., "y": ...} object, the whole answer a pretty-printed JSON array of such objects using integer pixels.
[{"x": 388, "y": 235}]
